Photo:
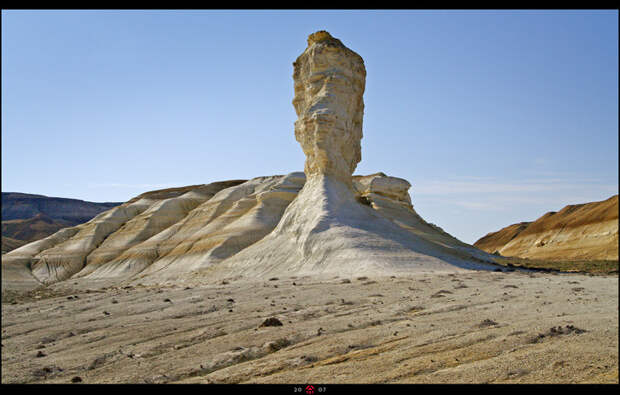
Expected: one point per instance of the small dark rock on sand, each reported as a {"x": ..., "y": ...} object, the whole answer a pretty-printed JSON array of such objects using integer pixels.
[
  {"x": 273, "y": 321},
  {"x": 487, "y": 322}
]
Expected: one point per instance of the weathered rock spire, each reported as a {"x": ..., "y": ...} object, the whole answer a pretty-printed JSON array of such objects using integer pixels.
[{"x": 329, "y": 85}]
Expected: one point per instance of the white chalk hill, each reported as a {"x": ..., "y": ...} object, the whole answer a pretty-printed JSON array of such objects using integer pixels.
[{"x": 261, "y": 227}]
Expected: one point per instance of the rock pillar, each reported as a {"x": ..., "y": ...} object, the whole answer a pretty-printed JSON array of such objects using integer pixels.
[{"x": 329, "y": 87}]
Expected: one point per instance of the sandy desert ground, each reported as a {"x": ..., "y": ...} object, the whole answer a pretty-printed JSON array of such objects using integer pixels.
[{"x": 470, "y": 327}]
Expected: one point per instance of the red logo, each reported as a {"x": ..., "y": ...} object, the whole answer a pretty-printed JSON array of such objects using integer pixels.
[{"x": 310, "y": 390}]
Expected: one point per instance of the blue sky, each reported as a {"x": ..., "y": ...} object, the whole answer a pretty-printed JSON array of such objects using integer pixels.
[{"x": 494, "y": 117}]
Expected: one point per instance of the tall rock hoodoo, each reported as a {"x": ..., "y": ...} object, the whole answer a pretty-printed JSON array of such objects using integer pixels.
[
  {"x": 326, "y": 228},
  {"x": 329, "y": 87}
]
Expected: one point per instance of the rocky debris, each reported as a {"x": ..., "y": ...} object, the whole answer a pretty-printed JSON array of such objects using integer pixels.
[
  {"x": 48, "y": 339},
  {"x": 557, "y": 331},
  {"x": 308, "y": 358},
  {"x": 487, "y": 322},
  {"x": 76, "y": 379},
  {"x": 46, "y": 371},
  {"x": 97, "y": 362},
  {"x": 566, "y": 330},
  {"x": 279, "y": 344},
  {"x": 517, "y": 373},
  {"x": 178, "y": 352}
]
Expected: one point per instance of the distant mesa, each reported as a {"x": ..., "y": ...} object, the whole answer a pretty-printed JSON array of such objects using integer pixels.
[
  {"x": 28, "y": 217},
  {"x": 587, "y": 231},
  {"x": 320, "y": 221},
  {"x": 16, "y": 205}
]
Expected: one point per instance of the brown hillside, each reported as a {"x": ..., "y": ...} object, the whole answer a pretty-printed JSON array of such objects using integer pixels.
[
  {"x": 9, "y": 244},
  {"x": 34, "y": 228},
  {"x": 495, "y": 240},
  {"x": 27, "y": 217},
  {"x": 580, "y": 231}
]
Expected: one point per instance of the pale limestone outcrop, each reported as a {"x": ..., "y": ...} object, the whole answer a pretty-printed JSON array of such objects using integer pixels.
[
  {"x": 329, "y": 87},
  {"x": 327, "y": 228},
  {"x": 67, "y": 258},
  {"x": 160, "y": 215},
  {"x": 79, "y": 250},
  {"x": 385, "y": 187},
  {"x": 232, "y": 220},
  {"x": 17, "y": 264}
]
